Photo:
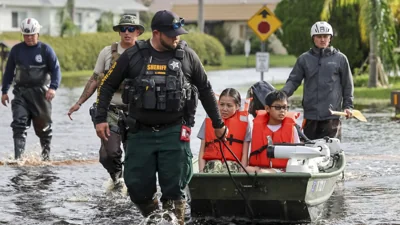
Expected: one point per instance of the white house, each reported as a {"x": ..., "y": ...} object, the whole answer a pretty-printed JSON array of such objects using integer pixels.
[{"x": 87, "y": 12}]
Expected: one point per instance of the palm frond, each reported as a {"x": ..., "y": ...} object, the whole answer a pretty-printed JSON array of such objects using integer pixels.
[
  {"x": 363, "y": 22},
  {"x": 387, "y": 36}
]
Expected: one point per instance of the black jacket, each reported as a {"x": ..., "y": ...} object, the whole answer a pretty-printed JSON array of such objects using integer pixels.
[
  {"x": 328, "y": 82},
  {"x": 129, "y": 66}
]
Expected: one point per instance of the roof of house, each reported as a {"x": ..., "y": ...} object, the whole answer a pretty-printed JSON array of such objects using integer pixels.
[
  {"x": 217, "y": 12},
  {"x": 105, "y": 5}
]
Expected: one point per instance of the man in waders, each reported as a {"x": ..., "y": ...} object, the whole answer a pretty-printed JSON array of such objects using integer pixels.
[{"x": 29, "y": 65}]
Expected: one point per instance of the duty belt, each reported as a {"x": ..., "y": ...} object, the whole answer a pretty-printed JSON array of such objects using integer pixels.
[{"x": 158, "y": 127}]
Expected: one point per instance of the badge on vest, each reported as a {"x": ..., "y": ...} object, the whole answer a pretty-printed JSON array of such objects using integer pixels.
[
  {"x": 38, "y": 58},
  {"x": 159, "y": 69},
  {"x": 174, "y": 64}
]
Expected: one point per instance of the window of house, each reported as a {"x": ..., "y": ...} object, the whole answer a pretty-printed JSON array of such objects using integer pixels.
[
  {"x": 16, "y": 18},
  {"x": 78, "y": 20}
]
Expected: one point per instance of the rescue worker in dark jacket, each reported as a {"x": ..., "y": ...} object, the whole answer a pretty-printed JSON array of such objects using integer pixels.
[
  {"x": 162, "y": 76},
  {"x": 129, "y": 30},
  {"x": 328, "y": 84},
  {"x": 29, "y": 65}
]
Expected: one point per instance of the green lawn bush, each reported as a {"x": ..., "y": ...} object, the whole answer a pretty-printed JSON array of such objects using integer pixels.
[
  {"x": 80, "y": 52},
  {"x": 362, "y": 80}
]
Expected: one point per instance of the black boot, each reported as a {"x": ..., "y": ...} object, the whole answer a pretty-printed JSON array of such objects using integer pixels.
[
  {"x": 115, "y": 176},
  {"x": 19, "y": 147},
  {"x": 148, "y": 207},
  {"x": 118, "y": 182},
  {"x": 45, "y": 143}
]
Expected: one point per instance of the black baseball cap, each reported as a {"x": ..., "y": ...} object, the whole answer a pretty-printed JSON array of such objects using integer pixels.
[{"x": 168, "y": 23}]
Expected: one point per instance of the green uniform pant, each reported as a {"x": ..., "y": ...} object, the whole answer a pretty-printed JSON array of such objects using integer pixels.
[{"x": 161, "y": 151}]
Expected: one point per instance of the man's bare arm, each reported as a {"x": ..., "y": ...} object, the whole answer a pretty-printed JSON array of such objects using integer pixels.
[{"x": 89, "y": 89}]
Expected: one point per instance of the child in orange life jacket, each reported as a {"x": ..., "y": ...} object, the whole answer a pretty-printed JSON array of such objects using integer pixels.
[
  {"x": 238, "y": 139},
  {"x": 274, "y": 121}
]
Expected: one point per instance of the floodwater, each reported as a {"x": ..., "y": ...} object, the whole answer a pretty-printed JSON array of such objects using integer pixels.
[{"x": 72, "y": 189}]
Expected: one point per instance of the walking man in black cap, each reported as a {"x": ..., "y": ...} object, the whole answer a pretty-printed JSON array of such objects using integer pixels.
[{"x": 165, "y": 77}]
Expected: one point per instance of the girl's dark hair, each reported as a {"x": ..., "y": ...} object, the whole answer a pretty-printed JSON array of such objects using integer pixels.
[
  {"x": 275, "y": 96},
  {"x": 231, "y": 92}
]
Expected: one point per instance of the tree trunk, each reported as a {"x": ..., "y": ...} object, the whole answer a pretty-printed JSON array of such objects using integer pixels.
[
  {"x": 373, "y": 72},
  {"x": 383, "y": 79},
  {"x": 71, "y": 9}
]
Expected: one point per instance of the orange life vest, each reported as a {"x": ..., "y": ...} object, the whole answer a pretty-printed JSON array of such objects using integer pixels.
[
  {"x": 237, "y": 125},
  {"x": 285, "y": 134}
]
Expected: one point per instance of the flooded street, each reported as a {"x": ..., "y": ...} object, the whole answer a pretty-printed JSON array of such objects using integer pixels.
[{"x": 72, "y": 189}]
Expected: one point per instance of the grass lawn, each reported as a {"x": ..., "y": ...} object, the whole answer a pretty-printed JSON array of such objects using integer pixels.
[
  {"x": 240, "y": 61},
  {"x": 81, "y": 73}
]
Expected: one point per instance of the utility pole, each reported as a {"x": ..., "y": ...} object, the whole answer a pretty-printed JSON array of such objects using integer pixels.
[{"x": 200, "y": 20}]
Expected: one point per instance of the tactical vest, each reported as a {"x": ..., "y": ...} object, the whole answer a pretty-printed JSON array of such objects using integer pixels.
[
  {"x": 161, "y": 85},
  {"x": 32, "y": 75}
]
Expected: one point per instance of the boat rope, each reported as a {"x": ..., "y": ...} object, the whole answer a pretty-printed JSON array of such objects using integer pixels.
[{"x": 246, "y": 200}]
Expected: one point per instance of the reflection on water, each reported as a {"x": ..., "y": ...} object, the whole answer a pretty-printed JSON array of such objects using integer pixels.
[
  {"x": 72, "y": 188},
  {"x": 31, "y": 186}
]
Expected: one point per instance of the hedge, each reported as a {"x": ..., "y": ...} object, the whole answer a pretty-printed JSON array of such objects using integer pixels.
[{"x": 80, "y": 52}]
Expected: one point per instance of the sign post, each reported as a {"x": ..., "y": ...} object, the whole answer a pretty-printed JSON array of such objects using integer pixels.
[
  {"x": 247, "y": 48},
  {"x": 264, "y": 23}
]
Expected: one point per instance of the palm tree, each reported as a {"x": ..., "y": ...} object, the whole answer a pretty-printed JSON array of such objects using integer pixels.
[{"x": 377, "y": 26}]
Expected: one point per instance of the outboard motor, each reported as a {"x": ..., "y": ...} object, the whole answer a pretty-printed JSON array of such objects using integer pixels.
[{"x": 308, "y": 158}]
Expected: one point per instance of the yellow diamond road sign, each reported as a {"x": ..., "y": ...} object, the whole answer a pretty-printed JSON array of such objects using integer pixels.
[{"x": 264, "y": 23}]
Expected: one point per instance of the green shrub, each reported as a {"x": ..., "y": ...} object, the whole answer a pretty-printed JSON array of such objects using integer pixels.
[
  {"x": 297, "y": 18},
  {"x": 360, "y": 80},
  {"x": 215, "y": 51},
  {"x": 80, "y": 52},
  {"x": 347, "y": 39}
]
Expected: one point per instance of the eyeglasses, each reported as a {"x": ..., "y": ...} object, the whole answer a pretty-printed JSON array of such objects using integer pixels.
[
  {"x": 178, "y": 24},
  {"x": 279, "y": 107},
  {"x": 130, "y": 29}
]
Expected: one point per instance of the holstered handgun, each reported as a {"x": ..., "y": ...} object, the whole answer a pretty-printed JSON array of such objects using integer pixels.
[
  {"x": 92, "y": 112},
  {"x": 123, "y": 127}
]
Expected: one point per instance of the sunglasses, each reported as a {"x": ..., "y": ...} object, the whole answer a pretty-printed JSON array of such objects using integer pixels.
[
  {"x": 279, "y": 107},
  {"x": 130, "y": 29},
  {"x": 178, "y": 24}
]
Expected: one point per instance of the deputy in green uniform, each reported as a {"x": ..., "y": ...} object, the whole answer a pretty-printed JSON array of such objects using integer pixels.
[{"x": 163, "y": 79}]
